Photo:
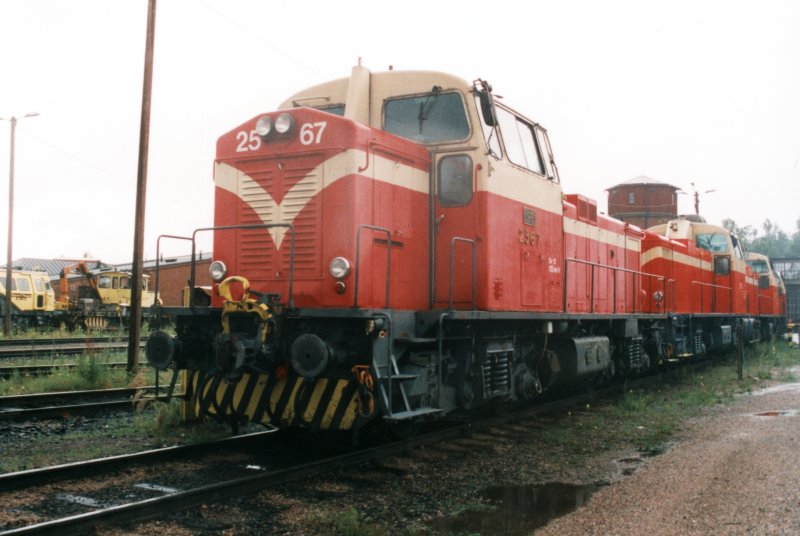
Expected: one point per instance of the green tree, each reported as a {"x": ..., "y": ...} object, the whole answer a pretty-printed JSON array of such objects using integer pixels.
[
  {"x": 746, "y": 234},
  {"x": 774, "y": 242}
]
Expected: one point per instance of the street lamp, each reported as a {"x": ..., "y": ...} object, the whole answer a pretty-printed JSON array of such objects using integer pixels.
[
  {"x": 13, "y": 120},
  {"x": 697, "y": 198}
]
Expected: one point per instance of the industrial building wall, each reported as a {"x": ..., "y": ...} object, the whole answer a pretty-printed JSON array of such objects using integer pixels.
[{"x": 172, "y": 278}]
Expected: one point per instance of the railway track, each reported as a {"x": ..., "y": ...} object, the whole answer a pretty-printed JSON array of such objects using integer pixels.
[
  {"x": 21, "y": 348},
  {"x": 71, "y": 403},
  {"x": 163, "y": 496},
  {"x": 45, "y": 369},
  {"x": 230, "y": 477}
]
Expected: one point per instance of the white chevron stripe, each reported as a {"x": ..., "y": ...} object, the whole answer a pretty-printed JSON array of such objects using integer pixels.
[{"x": 331, "y": 170}]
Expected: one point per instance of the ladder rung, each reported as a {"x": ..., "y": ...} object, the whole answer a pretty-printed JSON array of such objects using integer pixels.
[
  {"x": 404, "y": 415},
  {"x": 399, "y": 377},
  {"x": 414, "y": 340}
]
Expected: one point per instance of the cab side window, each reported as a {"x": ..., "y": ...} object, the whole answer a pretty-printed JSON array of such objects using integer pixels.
[
  {"x": 520, "y": 142},
  {"x": 21, "y": 285}
]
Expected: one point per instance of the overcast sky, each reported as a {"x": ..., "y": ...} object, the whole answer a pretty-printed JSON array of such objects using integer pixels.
[{"x": 682, "y": 91}]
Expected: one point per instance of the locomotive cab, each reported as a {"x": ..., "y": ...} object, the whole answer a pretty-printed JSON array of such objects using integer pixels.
[
  {"x": 730, "y": 291},
  {"x": 30, "y": 290}
]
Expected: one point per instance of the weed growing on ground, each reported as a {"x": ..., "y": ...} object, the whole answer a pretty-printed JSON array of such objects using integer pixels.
[
  {"x": 90, "y": 372},
  {"x": 349, "y": 522}
]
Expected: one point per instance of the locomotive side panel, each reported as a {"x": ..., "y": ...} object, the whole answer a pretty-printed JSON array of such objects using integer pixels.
[
  {"x": 601, "y": 260},
  {"x": 521, "y": 235}
]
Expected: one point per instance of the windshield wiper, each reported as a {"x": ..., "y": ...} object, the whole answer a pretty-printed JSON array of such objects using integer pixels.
[{"x": 426, "y": 107}]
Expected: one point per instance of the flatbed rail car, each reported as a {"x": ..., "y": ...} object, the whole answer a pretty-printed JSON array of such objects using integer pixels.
[{"x": 396, "y": 246}]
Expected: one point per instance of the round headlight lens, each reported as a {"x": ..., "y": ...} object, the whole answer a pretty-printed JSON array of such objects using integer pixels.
[
  {"x": 340, "y": 267},
  {"x": 217, "y": 270},
  {"x": 264, "y": 126},
  {"x": 284, "y": 123}
]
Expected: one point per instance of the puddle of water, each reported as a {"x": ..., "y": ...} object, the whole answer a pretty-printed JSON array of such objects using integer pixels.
[
  {"x": 784, "y": 413},
  {"x": 517, "y": 509}
]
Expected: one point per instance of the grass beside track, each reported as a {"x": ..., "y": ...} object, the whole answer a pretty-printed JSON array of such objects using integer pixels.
[
  {"x": 91, "y": 372},
  {"x": 647, "y": 419}
]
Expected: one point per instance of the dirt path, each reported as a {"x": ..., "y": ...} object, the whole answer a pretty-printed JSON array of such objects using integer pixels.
[{"x": 737, "y": 472}]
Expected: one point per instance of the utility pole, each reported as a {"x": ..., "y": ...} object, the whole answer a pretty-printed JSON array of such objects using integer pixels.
[
  {"x": 9, "y": 256},
  {"x": 134, "y": 328}
]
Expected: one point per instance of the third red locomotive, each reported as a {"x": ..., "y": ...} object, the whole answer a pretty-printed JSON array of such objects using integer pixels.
[{"x": 396, "y": 246}]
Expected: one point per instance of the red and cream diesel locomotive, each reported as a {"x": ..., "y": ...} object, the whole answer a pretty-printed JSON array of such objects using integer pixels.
[{"x": 396, "y": 246}]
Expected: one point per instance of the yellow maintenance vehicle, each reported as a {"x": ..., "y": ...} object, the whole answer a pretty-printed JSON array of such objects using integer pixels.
[{"x": 33, "y": 300}]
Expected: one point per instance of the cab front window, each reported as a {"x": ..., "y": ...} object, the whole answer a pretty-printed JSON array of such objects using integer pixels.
[
  {"x": 431, "y": 118},
  {"x": 758, "y": 266},
  {"x": 713, "y": 242}
]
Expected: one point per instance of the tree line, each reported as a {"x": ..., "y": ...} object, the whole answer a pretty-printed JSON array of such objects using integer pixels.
[{"x": 771, "y": 241}]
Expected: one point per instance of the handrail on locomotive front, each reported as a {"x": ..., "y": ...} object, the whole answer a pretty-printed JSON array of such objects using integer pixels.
[
  {"x": 158, "y": 269},
  {"x": 358, "y": 260},
  {"x": 290, "y": 301},
  {"x": 661, "y": 280}
]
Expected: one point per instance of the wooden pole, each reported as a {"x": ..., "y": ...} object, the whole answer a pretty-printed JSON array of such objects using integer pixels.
[{"x": 134, "y": 330}]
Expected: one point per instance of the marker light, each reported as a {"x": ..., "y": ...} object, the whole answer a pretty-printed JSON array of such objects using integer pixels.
[
  {"x": 217, "y": 270},
  {"x": 284, "y": 123}
]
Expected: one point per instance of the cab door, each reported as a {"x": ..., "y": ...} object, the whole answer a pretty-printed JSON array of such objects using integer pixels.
[
  {"x": 39, "y": 297},
  {"x": 454, "y": 221}
]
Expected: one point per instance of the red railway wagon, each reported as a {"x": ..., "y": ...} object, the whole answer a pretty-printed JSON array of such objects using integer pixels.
[{"x": 396, "y": 246}]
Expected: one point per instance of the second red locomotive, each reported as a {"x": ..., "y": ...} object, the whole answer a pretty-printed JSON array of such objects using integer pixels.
[{"x": 397, "y": 246}]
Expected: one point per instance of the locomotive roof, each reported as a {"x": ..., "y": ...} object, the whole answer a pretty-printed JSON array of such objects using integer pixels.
[
  {"x": 376, "y": 87},
  {"x": 643, "y": 180}
]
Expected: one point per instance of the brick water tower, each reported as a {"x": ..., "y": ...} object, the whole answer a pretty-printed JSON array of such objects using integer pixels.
[{"x": 643, "y": 201}]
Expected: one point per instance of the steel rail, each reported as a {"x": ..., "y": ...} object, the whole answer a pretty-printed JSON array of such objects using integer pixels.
[
  {"x": 14, "y": 407},
  {"x": 40, "y": 370},
  {"x": 57, "y": 473},
  {"x": 70, "y": 348}
]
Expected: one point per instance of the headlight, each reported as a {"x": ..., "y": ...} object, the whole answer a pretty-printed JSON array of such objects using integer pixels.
[
  {"x": 284, "y": 123},
  {"x": 340, "y": 267},
  {"x": 217, "y": 270},
  {"x": 264, "y": 126}
]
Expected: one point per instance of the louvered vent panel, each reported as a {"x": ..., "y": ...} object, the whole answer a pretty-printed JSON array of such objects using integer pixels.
[{"x": 296, "y": 207}]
